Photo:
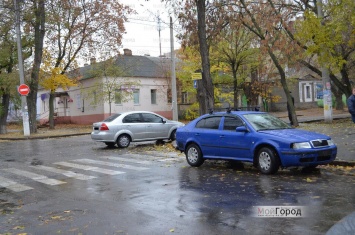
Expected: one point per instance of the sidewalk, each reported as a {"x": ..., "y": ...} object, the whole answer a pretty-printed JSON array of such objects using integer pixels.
[{"x": 311, "y": 115}]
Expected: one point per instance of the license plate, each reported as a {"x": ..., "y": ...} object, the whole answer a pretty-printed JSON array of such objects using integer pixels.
[{"x": 324, "y": 153}]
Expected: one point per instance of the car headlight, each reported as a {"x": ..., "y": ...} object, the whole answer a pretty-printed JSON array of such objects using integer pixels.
[
  {"x": 303, "y": 145},
  {"x": 330, "y": 143}
]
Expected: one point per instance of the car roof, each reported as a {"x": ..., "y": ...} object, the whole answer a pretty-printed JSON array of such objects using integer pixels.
[
  {"x": 233, "y": 113},
  {"x": 130, "y": 112}
]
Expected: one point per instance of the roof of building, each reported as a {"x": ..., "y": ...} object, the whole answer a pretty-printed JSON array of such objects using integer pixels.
[{"x": 137, "y": 66}]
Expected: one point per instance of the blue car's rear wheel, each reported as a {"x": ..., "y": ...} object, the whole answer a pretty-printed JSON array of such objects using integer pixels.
[
  {"x": 268, "y": 162},
  {"x": 194, "y": 155}
]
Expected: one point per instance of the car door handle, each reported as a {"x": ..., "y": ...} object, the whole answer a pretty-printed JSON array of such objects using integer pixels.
[
  {"x": 222, "y": 136},
  {"x": 197, "y": 134}
]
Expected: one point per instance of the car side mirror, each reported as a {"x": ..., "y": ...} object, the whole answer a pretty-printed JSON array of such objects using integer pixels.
[
  {"x": 241, "y": 129},
  {"x": 163, "y": 121}
]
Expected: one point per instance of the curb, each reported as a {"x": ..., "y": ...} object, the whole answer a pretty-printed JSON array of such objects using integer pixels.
[
  {"x": 43, "y": 137},
  {"x": 342, "y": 163}
]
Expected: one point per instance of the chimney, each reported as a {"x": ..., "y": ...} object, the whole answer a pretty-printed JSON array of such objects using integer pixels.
[
  {"x": 92, "y": 60},
  {"x": 127, "y": 52}
]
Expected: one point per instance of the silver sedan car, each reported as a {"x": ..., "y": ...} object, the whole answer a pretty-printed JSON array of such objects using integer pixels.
[{"x": 134, "y": 126}]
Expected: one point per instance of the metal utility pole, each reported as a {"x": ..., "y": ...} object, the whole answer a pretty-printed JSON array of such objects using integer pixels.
[
  {"x": 26, "y": 126},
  {"x": 173, "y": 76},
  {"x": 159, "y": 29},
  {"x": 327, "y": 92}
]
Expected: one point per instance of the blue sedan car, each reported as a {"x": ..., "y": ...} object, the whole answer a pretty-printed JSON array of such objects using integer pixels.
[{"x": 251, "y": 136}]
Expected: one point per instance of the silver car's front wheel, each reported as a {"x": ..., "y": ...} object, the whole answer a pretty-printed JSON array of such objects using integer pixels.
[
  {"x": 194, "y": 155},
  {"x": 123, "y": 141}
]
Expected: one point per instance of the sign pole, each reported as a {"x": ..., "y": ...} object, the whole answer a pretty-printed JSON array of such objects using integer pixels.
[
  {"x": 25, "y": 119},
  {"x": 173, "y": 75},
  {"x": 327, "y": 92}
]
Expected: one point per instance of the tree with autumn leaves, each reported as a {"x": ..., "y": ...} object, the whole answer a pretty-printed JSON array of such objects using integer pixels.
[
  {"x": 52, "y": 78},
  {"x": 272, "y": 23},
  {"x": 69, "y": 29}
]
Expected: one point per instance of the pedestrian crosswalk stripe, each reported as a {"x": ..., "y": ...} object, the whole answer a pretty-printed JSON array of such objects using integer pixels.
[
  {"x": 84, "y": 160},
  {"x": 89, "y": 168},
  {"x": 160, "y": 158},
  {"x": 36, "y": 177},
  {"x": 127, "y": 160},
  {"x": 70, "y": 174},
  {"x": 169, "y": 160},
  {"x": 12, "y": 185}
]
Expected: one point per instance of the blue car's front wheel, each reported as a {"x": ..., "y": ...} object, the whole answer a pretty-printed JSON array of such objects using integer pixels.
[
  {"x": 194, "y": 155},
  {"x": 268, "y": 162}
]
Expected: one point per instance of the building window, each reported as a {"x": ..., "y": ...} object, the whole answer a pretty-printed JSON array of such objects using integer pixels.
[
  {"x": 118, "y": 96},
  {"x": 184, "y": 98},
  {"x": 136, "y": 96},
  {"x": 169, "y": 95},
  {"x": 308, "y": 92},
  {"x": 78, "y": 101},
  {"x": 153, "y": 96},
  {"x": 43, "y": 105}
]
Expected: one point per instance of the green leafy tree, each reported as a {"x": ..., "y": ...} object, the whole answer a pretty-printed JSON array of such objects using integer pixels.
[
  {"x": 232, "y": 53},
  {"x": 332, "y": 39},
  {"x": 9, "y": 77}
]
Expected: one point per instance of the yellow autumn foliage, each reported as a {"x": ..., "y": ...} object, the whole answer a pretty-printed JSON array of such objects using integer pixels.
[{"x": 51, "y": 75}]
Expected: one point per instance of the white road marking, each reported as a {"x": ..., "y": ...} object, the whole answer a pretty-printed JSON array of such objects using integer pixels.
[
  {"x": 161, "y": 158},
  {"x": 89, "y": 168},
  {"x": 111, "y": 164},
  {"x": 70, "y": 174},
  {"x": 12, "y": 185},
  {"x": 127, "y": 160},
  {"x": 36, "y": 177},
  {"x": 169, "y": 160}
]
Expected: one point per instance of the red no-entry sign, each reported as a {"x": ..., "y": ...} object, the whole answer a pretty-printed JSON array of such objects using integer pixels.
[{"x": 23, "y": 89}]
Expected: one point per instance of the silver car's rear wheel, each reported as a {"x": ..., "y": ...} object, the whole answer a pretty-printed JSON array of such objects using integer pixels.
[
  {"x": 123, "y": 141},
  {"x": 194, "y": 155}
]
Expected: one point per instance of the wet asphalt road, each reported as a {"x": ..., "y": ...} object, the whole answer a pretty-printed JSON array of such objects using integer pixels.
[{"x": 155, "y": 193}]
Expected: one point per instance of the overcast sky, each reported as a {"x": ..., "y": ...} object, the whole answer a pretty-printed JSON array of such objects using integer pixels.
[{"x": 142, "y": 29}]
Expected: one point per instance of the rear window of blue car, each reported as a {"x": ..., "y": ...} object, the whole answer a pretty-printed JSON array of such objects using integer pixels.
[{"x": 209, "y": 123}]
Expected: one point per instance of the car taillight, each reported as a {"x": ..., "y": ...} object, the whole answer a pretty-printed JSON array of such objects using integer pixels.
[{"x": 104, "y": 127}]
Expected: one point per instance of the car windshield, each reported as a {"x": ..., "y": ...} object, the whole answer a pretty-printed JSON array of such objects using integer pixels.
[
  {"x": 264, "y": 121},
  {"x": 111, "y": 118}
]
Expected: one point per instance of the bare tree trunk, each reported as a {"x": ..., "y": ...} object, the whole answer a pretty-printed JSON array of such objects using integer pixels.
[
  {"x": 4, "y": 112},
  {"x": 339, "y": 105},
  {"x": 205, "y": 92},
  {"x": 235, "y": 88},
  {"x": 39, "y": 11},
  {"x": 51, "y": 111},
  {"x": 285, "y": 87}
]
